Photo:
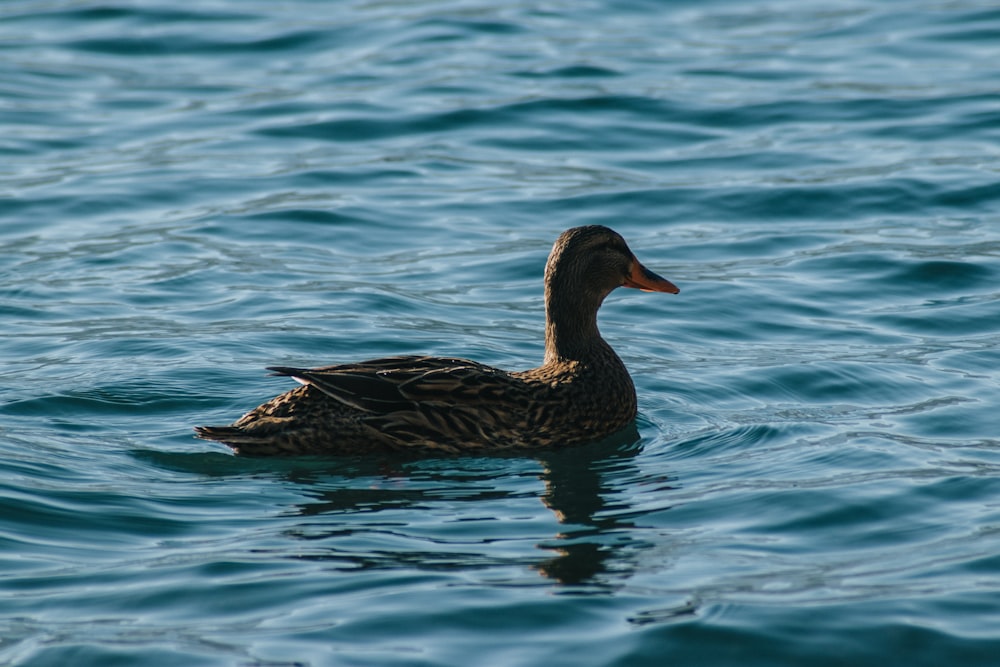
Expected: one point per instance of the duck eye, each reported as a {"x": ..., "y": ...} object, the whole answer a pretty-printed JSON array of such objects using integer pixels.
[{"x": 608, "y": 246}]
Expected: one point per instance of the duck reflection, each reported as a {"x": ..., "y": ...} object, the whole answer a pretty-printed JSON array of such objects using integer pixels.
[
  {"x": 579, "y": 491},
  {"x": 584, "y": 487}
]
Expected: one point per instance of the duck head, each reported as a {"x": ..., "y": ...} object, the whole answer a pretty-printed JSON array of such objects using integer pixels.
[
  {"x": 585, "y": 265},
  {"x": 594, "y": 260}
]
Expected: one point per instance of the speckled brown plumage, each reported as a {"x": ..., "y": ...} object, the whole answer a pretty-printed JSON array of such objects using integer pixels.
[{"x": 581, "y": 392}]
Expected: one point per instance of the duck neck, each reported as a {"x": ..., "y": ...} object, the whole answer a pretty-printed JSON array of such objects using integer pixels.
[{"x": 570, "y": 331}]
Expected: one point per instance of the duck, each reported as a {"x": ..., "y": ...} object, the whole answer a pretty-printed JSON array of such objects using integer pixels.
[{"x": 581, "y": 393}]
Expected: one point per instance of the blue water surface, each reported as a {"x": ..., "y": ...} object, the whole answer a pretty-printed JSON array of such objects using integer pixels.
[{"x": 192, "y": 191}]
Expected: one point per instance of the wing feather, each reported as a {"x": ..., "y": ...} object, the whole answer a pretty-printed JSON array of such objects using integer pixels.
[{"x": 409, "y": 392}]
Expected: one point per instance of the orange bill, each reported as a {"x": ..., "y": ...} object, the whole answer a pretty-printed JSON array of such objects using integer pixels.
[{"x": 647, "y": 281}]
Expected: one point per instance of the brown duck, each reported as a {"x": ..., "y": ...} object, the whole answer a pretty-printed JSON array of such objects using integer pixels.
[{"x": 581, "y": 392}]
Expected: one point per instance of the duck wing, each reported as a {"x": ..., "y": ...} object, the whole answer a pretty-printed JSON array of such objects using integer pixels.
[
  {"x": 434, "y": 402},
  {"x": 396, "y": 384}
]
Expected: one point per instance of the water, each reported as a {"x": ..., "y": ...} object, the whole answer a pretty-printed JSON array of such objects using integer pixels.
[{"x": 191, "y": 193}]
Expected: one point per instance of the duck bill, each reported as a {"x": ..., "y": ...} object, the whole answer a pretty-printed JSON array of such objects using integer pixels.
[{"x": 643, "y": 279}]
